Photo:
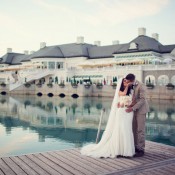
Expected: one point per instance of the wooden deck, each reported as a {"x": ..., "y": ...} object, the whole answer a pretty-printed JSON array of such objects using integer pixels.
[{"x": 159, "y": 159}]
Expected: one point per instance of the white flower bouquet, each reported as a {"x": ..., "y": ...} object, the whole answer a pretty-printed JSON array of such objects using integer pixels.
[{"x": 126, "y": 100}]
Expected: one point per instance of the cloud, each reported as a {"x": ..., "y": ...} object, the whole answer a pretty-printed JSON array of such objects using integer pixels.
[
  {"x": 117, "y": 11},
  {"x": 106, "y": 12}
]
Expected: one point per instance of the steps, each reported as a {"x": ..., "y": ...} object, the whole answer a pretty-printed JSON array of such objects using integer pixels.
[{"x": 29, "y": 78}]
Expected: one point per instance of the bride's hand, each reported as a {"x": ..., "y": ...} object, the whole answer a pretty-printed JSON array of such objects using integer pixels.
[{"x": 129, "y": 84}]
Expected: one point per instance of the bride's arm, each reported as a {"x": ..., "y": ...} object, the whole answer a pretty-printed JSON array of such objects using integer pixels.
[{"x": 123, "y": 93}]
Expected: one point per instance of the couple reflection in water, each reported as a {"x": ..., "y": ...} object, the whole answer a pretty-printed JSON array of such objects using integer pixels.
[{"x": 124, "y": 134}]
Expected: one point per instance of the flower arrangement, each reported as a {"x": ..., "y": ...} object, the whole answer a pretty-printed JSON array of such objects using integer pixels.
[
  {"x": 39, "y": 84},
  {"x": 3, "y": 84},
  {"x": 150, "y": 85},
  {"x": 61, "y": 85},
  {"x": 99, "y": 85},
  {"x": 125, "y": 100},
  {"x": 114, "y": 85},
  {"x": 74, "y": 85},
  {"x": 50, "y": 85},
  {"x": 170, "y": 86},
  {"x": 27, "y": 85}
]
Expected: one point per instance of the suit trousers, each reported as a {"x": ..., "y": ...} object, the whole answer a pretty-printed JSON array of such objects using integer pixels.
[{"x": 139, "y": 130}]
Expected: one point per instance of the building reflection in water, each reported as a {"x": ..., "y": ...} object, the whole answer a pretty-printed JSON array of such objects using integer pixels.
[{"x": 76, "y": 120}]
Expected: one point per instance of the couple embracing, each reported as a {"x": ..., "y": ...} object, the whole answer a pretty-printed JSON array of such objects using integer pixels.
[{"x": 124, "y": 134}]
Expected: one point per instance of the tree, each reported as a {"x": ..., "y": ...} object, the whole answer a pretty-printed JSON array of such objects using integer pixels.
[{"x": 149, "y": 80}]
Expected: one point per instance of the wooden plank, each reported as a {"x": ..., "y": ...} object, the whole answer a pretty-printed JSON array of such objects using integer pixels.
[
  {"x": 42, "y": 164},
  {"x": 33, "y": 165},
  {"x": 53, "y": 165},
  {"x": 110, "y": 166},
  {"x": 63, "y": 164},
  {"x": 86, "y": 160},
  {"x": 24, "y": 166},
  {"x": 1, "y": 173},
  {"x": 95, "y": 168},
  {"x": 5, "y": 168},
  {"x": 97, "y": 162},
  {"x": 144, "y": 168},
  {"x": 80, "y": 166},
  {"x": 158, "y": 147}
]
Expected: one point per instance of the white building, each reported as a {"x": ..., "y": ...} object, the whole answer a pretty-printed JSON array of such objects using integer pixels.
[{"x": 81, "y": 61}]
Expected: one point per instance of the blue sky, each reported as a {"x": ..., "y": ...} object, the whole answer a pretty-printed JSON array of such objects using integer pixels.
[{"x": 26, "y": 23}]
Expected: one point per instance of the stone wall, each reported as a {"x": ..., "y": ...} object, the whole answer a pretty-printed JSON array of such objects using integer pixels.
[{"x": 158, "y": 92}]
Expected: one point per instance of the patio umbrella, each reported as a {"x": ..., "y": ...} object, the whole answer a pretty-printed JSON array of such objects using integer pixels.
[
  {"x": 167, "y": 60},
  {"x": 156, "y": 60}
]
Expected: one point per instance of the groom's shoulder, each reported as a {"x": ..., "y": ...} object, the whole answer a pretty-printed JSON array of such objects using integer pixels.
[{"x": 140, "y": 84}]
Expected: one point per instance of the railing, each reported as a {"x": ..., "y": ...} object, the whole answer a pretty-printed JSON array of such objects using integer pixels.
[{"x": 34, "y": 76}]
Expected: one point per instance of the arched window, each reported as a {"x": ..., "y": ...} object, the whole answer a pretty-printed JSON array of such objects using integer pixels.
[
  {"x": 173, "y": 79},
  {"x": 163, "y": 80},
  {"x": 133, "y": 46},
  {"x": 150, "y": 79}
]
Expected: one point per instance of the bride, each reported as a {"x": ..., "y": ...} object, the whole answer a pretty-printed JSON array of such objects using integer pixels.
[{"x": 117, "y": 139}]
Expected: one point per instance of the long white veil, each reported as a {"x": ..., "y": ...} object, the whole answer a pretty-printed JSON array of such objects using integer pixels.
[{"x": 93, "y": 148}]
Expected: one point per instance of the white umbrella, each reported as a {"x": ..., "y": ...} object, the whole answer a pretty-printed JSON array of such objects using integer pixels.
[
  {"x": 167, "y": 60},
  {"x": 156, "y": 60}
]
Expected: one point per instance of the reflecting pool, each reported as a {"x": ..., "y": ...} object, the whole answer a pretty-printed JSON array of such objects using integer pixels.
[{"x": 31, "y": 124}]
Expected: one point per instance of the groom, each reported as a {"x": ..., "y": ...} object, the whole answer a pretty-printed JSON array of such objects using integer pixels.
[{"x": 140, "y": 107}]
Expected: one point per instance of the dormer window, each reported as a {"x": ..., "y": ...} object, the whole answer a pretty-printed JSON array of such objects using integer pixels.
[{"x": 133, "y": 46}]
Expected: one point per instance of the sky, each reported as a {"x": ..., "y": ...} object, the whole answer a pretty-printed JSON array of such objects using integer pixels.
[{"x": 24, "y": 24}]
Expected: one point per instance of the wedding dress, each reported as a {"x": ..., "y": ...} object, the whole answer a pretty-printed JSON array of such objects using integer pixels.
[{"x": 117, "y": 139}]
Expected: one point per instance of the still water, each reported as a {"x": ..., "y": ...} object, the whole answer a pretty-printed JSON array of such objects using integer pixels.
[{"x": 31, "y": 124}]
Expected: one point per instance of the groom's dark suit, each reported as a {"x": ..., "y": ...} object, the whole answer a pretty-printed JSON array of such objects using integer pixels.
[{"x": 140, "y": 107}]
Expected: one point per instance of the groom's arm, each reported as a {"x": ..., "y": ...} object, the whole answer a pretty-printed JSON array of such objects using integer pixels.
[{"x": 141, "y": 99}]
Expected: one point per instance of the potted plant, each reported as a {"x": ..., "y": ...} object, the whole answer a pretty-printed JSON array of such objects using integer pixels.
[
  {"x": 61, "y": 85},
  {"x": 87, "y": 86},
  {"x": 170, "y": 86},
  {"x": 3, "y": 84},
  {"x": 114, "y": 85},
  {"x": 50, "y": 85},
  {"x": 27, "y": 85},
  {"x": 74, "y": 85},
  {"x": 150, "y": 85},
  {"x": 99, "y": 85},
  {"x": 39, "y": 84}
]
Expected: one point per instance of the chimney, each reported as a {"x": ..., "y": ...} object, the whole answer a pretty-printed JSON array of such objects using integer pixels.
[
  {"x": 97, "y": 43},
  {"x": 9, "y": 50},
  {"x": 155, "y": 36},
  {"x": 42, "y": 45},
  {"x": 80, "y": 40},
  {"x": 115, "y": 42},
  {"x": 32, "y": 52},
  {"x": 141, "y": 31},
  {"x": 26, "y": 52}
]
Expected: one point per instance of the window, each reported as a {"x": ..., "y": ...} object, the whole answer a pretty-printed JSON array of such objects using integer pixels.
[
  {"x": 133, "y": 46},
  {"x": 51, "y": 65},
  {"x": 44, "y": 65},
  {"x": 59, "y": 65},
  {"x": 163, "y": 80}
]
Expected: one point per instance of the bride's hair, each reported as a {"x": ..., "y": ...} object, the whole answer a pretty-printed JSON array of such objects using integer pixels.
[{"x": 122, "y": 88}]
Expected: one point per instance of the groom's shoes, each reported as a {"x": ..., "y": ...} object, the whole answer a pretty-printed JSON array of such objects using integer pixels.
[{"x": 139, "y": 153}]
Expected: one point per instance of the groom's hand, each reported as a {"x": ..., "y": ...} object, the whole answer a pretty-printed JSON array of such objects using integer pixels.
[{"x": 129, "y": 110}]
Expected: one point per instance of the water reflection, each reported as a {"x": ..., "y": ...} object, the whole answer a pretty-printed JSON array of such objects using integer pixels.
[{"x": 76, "y": 121}]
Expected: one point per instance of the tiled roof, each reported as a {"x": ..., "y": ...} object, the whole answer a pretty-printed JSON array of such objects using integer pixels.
[
  {"x": 143, "y": 43},
  {"x": 12, "y": 58}
]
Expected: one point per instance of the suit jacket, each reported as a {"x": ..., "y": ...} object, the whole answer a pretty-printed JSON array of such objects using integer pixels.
[{"x": 140, "y": 103}]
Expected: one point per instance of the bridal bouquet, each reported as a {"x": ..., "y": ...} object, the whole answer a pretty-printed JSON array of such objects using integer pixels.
[{"x": 126, "y": 100}]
